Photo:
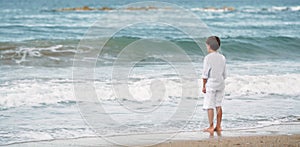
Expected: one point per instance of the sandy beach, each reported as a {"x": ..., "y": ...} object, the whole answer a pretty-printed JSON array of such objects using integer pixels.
[{"x": 277, "y": 140}]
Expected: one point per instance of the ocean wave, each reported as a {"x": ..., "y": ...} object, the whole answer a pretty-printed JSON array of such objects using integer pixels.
[
  {"x": 290, "y": 8},
  {"x": 35, "y": 93},
  {"x": 19, "y": 93},
  {"x": 202, "y": 9},
  {"x": 34, "y": 136},
  {"x": 271, "y": 9},
  {"x": 247, "y": 9},
  {"x": 61, "y": 52},
  {"x": 214, "y": 9},
  {"x": 295, "y": 8},
  {"x": 105, "y": 8},
  {"x": 265, "y": 48},
  {"x": 263, "y": 85},
  {"x": 35, "y": 54}
]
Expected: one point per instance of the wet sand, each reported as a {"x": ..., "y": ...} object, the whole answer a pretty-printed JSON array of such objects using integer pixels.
[
  {"x": 275, "y": 135},
  {"x": 255, "y": 141}
]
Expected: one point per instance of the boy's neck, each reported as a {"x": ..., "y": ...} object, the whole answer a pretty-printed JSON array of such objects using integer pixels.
[{"x": 211, "y": 51}]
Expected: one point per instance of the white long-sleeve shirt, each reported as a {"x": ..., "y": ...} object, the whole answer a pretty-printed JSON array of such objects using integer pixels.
[{"x": 214, "y": 70}]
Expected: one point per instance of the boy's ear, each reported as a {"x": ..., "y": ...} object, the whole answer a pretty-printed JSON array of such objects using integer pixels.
[{"x": 208, "y": 47}]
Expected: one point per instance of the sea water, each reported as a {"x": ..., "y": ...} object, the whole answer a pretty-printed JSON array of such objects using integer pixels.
[{"x": 37, "y": 46}]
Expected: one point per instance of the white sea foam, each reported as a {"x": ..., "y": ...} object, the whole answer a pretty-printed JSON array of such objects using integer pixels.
[
  {"x": 291, "y": 8},
  {"x": 269, "y": 9},
  {"x": 279, "y": 8},
  {"x": 248, "y": 9},
  {"x": 22, "y": 53},
  {"x": 295, "y": 8},
  {"x": 32, "y": 92},
  {"x": 287, "y": 84},
  {"x": 212, "y": 9}
]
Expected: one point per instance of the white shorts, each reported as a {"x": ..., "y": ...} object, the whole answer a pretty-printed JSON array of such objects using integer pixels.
[{"x": 213, "y": 99}]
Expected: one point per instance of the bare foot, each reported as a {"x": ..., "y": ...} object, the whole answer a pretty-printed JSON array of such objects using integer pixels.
[
  {"x": 210, "y": 129},
  {"x": 218, "y": 129},
  {"x": 219, "y": 133}
]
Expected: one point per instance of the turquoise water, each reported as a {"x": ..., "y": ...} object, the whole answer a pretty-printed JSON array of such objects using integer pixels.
[{"x": 38, "y": 42}]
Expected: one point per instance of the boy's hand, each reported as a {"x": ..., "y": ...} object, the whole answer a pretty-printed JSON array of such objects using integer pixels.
[{"x": 204, "y": 85}]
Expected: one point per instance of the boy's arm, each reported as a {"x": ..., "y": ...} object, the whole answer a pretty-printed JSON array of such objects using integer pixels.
[
  {"x": 205, "y": 74},
  {"x": 204, "y": 85}
]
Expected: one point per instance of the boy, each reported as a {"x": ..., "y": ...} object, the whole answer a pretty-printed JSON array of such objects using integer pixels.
[{"x": 214, "y": 74}]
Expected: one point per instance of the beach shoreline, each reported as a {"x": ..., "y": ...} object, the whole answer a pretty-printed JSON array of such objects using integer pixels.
[{"x": 274, "y": 135}]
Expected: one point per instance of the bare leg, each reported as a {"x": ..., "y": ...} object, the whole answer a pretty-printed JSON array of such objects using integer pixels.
[
  {"x": 210, "y": 113},
  {"x": 219, "y": 119}
]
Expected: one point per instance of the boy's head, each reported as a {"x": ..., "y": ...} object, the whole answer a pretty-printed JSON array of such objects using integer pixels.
[{"x": 213, "y": 42}]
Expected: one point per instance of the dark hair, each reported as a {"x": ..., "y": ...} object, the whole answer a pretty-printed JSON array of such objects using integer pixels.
[{"x": 214, "y": 42}]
